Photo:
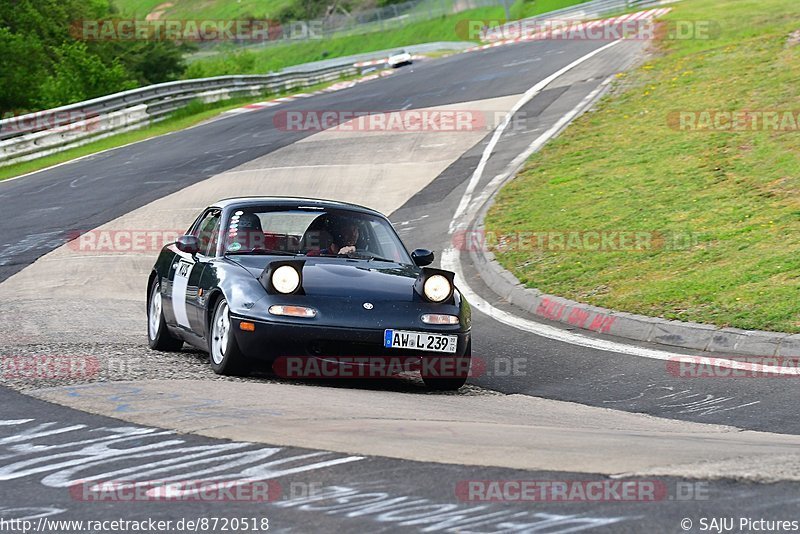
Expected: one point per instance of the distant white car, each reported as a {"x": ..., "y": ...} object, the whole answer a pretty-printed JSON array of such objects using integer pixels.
[{"x": 399, "y": 58}]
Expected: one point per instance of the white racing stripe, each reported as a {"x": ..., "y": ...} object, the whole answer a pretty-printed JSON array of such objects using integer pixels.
[
  {"x": 451, "y": 260},
  {"x": 179, "y": 287}
]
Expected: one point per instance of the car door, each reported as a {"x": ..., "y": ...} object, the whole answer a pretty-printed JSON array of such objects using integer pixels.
[
  {"x": 187, "y": 270},
  {"x": 198, "y": 284}
]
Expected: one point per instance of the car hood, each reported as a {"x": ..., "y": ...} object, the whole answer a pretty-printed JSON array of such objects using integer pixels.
[{"x": 339, "y": 277}]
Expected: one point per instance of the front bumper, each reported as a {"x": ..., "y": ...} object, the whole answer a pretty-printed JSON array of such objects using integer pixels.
[{"x": 271, "y": 340}]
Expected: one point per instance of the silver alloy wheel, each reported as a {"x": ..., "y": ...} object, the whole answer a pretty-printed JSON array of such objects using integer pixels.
[
  {"x": 154, "y": 322},
  {"x": 220, "y": 333}
]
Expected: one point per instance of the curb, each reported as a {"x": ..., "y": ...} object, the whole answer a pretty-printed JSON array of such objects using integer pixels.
[
  {"x": 697, "y": 336},
  {"x": 577, "y": 315}
]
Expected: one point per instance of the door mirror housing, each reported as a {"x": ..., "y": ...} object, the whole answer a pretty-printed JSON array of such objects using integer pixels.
[
  {"x": 188, "y": 244},
  {"x": 422, "y": 257}
]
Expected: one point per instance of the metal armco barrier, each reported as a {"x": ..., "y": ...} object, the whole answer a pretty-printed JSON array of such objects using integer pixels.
[{"x": 38, "y": 134}]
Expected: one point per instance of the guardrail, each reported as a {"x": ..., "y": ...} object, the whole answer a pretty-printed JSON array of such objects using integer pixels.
[{"x": 38, "y": 134}]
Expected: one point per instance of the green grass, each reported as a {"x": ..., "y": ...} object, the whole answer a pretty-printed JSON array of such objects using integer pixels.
[
  {"x": 622, "y": 167},
  {"x": 261, "y": 9},
  {"x": 521, "y": 9},
  {"x": 276, "y": 57},
  {"x": 204, "y": 9},
  {"x": 195, "y": 113}
]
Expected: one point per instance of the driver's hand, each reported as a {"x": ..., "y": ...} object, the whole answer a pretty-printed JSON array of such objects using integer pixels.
[{"x": 347, "y": 250}]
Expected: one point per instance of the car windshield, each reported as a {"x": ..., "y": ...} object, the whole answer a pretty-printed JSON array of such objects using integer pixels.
[{"x": 312, "y": 232}]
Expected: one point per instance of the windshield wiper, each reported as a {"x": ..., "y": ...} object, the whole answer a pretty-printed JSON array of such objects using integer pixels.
[
  {"x": 262, "y": 252},
  {"x": 360, "y": 256}
]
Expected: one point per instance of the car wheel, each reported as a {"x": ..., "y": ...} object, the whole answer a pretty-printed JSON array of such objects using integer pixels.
[
  {"x": 158, "y": 335},
  {"x": 459, "y": 378},
  {"x": 225, "y": 356}
]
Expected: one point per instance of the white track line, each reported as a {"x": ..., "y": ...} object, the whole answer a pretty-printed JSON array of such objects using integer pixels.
[
  {"x": 526, "y": 97},
  {"x": 451, "y": 260},
  {"x": 538, "y": 143}
]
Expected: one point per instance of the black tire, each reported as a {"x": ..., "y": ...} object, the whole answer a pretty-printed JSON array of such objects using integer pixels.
[
  {"x": 158, "y": 335},
  {"x": 451, "y": 383},
  {"x": 225, "y": 356}
]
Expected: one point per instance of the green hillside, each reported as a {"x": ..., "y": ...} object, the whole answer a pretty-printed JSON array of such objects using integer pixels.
[
  {"x": 722, "y": 205},
  {"x": 215, "y": 9}
]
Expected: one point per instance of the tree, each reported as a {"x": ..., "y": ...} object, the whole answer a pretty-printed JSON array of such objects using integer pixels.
[
  {"x": 81, "y": 75},
  {"x": 43, "y": 62}
]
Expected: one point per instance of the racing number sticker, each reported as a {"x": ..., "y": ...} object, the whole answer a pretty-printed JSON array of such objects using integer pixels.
[{"x": 179, "y": 286}]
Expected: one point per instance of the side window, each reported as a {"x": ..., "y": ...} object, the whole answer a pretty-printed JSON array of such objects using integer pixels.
[{"x": 207, "y": 231}]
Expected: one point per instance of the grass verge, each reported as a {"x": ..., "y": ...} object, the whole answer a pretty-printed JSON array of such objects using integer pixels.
[
  {"x": 203, "y": 10},
  {"x": 722, "y": 207}
]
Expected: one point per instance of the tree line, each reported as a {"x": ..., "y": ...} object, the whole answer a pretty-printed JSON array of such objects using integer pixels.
[{"x": 44, "y": 64}]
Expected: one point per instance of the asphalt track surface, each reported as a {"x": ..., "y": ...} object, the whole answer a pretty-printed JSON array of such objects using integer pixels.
[
  {"x": 40, "y": 210},
  {"x": 359, "y": 494}
]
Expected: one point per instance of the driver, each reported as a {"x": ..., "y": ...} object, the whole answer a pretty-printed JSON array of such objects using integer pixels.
[{"x": 345, "y": 242}]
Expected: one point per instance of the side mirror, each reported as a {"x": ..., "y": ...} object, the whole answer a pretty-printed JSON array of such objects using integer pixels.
[
  {"x": 188, "y": 244},
  {"x": 422, "y": 257}
]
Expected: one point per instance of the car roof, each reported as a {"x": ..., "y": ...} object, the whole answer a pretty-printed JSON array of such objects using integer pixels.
[{"x": 290, "y": 202}]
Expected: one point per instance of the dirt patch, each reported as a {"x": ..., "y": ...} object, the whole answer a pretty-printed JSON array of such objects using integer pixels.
[{"x": 158, "y": 11}]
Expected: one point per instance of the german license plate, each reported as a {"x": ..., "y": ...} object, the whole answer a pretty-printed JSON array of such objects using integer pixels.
[{"x": 403, "y": 339}]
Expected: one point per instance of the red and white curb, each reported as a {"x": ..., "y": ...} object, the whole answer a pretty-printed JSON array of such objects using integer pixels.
[
  {"x": 576, "y": 28},
  {"x": 291, "y": 98}
]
